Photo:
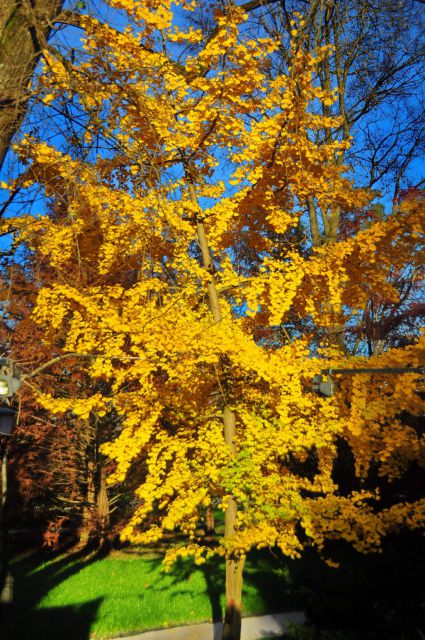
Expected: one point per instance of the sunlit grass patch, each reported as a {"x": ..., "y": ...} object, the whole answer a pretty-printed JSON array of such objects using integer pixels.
[{"x": 128, "y": 591}]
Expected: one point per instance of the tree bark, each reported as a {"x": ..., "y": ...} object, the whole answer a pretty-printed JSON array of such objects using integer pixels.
[{"x": 25, "y": 26}]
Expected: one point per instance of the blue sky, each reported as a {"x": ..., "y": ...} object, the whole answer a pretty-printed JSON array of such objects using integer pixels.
[{"x": 69, "y": 38}]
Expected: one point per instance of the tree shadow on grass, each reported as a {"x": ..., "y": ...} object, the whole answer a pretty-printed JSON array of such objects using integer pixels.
[
  {"x": 267, "y": 585},
  {"x": 213, "y": 572},
  {"x": 23, "y": 620}
]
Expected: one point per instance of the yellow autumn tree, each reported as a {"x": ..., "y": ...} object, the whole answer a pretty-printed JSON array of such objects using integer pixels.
[{"x": 205, "y": 160}]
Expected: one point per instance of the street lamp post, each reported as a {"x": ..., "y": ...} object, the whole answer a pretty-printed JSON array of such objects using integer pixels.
[
  {"x": 327, "y": 387},
  {"x": 9, "y": 385}
]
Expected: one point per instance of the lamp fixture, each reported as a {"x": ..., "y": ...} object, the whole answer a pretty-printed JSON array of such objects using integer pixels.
[{"x": 9, "y": 378}]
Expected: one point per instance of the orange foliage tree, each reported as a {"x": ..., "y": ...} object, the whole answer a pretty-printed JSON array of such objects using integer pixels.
[
  {"x": 208, "y": 153},
  {"x": 58, "y": 471}
]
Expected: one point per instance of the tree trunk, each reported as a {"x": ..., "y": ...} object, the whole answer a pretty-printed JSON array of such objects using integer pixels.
[
  {"x": 209, "y": 521},
  {"x": 86, "y": 529},
  {"x": 234, "y": 566},
  {"x": 232, "y": 616},
  {"x": 102, "y": 506},
  {"x": 24, "y": 27}
]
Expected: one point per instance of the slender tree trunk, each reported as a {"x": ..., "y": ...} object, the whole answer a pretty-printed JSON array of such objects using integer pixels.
[
  {"x": 316, "y": 236},
  {"x": 24, "y": 27},
  {"x": 95, "y": 516},
  {"x": 89, "y": 508},
  {"x": 209, "y": 521},
  {"x": 102, "y": 505},
  {"x": 331, "y": 227},
  {"x": 234, "y": 566},
  {"x": 233, "y": 613}
]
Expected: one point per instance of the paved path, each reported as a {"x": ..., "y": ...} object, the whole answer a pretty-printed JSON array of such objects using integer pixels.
[{"x": 253, "y": 628}]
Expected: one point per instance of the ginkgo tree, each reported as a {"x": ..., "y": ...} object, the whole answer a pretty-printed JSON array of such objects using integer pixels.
[{"x": 206, "y": 152}]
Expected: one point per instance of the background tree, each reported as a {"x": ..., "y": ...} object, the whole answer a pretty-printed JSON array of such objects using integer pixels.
[
  {"x": 56, "y": 465},
  {"x": 24, "y": 30},
  {"x": 376, "y": 52}
]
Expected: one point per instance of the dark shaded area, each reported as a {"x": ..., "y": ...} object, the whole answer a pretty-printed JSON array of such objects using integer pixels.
[
  {"x": 72, "y": 622},
  {"x": 370, "y": 597},
  {"x": 407, "y": 487},
  {"x": 21, "y": 620}
]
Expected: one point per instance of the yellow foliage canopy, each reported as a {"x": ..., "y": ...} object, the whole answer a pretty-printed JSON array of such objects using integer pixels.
[{"x": 218, "y": 122}]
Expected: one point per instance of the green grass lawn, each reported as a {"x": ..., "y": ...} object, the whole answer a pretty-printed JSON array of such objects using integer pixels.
[{"x": 76, "y": 597}]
